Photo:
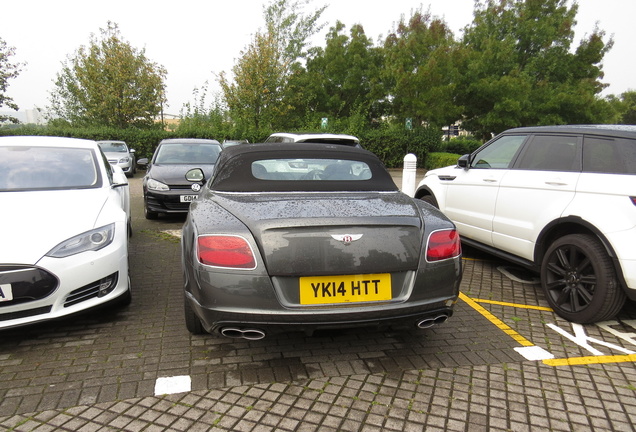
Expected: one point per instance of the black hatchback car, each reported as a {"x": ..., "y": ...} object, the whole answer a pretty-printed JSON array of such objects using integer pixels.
[{"x": 165, "y": 187}]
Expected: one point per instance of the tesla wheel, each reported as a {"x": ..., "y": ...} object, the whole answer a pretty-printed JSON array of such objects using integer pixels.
[
  {"x": 193, "y": 323},
  {"x": 431, "y": 200},
  {"x": 579, "y": 280},
  {"x": 125, "y": 299}
]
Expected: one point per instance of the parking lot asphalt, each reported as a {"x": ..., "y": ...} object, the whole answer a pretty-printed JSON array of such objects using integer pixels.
[{"x": 503, "y": 362}]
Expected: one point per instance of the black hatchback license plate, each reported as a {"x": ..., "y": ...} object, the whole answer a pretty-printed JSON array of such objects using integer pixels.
[{"x": 187, "y": 198}]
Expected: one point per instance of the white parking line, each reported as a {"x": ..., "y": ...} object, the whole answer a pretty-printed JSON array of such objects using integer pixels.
[
  {"x": 172, "y": 385},
  {"x": 534, "y": 353}
]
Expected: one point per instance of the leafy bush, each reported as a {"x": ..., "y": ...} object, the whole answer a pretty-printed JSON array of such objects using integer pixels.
[
  {"x": 144, "y": 141},
  {"x": 461, "y": 145},
  {"x": 439, "y": 160},
  {"x": 389, "y": 142},
  {"x": 392, "y": 143}
]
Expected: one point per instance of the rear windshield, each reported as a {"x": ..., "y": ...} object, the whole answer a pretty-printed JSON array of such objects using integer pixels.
[
  {"x": 310, "y": 169},
  {"x": 113, "y": 147},
  {"x": 180, "y": 153},
  {"x": 42, "y": 168},
  {"x": 340, "y": 141}
]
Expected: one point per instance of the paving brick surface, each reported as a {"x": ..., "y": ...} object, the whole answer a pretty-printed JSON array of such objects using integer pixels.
[{"x": 97, "y": 372}]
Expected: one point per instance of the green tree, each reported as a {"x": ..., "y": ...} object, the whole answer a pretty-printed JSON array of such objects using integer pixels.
[
  {"x": 628, "y": 113},
  {"x": 258, "y": 97},
  {"x": 518, "y": 67},
  {"x": 198, "y": 116},
  {"x": 420, "y": 70},
  {"x": 254, "y": 97},
  {"x": 109, "y": 83},
  {"x": 343, "y": 79},
  {"x": 290, "y": 30},
  {"x": 8, "y": 70}
]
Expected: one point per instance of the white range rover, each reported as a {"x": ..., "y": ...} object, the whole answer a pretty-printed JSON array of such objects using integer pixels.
[{"x": 560, "y": 200}]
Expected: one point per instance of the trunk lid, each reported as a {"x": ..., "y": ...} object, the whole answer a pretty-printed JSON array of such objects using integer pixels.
[{"x": 326, "y": 234}]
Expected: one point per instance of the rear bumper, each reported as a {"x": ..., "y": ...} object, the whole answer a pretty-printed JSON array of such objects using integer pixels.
[{"x": 398, "y": 316}]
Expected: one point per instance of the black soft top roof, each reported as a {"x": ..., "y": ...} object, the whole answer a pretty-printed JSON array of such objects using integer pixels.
[{"x": 233, "y": 171}]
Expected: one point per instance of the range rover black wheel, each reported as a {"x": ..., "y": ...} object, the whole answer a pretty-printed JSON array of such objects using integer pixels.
[
  {"x": 431, "y": 200},
  {"x": 580, "y": 281}
]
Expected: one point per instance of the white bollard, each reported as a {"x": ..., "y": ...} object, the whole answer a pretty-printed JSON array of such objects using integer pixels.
[{"x": 408, "y": 174}]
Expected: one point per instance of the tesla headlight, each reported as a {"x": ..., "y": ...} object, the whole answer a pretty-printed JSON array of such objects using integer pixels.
[
  {"x": 89, "y": 241},
  {"x": 155, "y": 185}
]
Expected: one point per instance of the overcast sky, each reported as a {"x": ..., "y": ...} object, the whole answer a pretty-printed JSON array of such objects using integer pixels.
[{"x": 197, "y": 39}]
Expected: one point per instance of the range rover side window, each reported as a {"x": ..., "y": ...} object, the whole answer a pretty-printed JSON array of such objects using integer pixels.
[
  {"x": 551, "y": 153},
  {"x": 609, "y": 156},
  {"x": 498, "y": 154}
]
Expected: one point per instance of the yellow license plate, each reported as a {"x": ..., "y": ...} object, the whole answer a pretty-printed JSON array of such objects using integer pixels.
[{"x": 345, "y": 289}]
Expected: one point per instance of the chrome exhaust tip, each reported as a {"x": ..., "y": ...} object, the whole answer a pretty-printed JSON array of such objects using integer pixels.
[
  {"x": 430, "y": 322},
  {"x": 241, "y": 333}
]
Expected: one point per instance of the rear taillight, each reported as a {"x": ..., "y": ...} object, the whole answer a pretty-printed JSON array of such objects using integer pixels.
[
  {"x": 633, "y": 200},
  {"x": 442, "y": 245},
  {"x": 225, "y": 251}
]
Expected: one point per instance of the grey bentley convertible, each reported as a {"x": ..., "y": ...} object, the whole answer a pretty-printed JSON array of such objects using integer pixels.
[{"x": 299, "y": 237}]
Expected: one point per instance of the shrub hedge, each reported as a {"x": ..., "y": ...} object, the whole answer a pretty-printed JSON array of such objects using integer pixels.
[
  {"x": 439, "y": 160},
  {"x": 390, "y": 143}
]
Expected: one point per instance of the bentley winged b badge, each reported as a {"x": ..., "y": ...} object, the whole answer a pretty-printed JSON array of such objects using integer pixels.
[{"x": 347, "y": 239}]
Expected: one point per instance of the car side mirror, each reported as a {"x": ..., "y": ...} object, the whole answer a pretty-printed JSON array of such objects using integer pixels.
[
  {"x": 195, "y": 175},
  {"x": 463, "y": 161},
  {"x": 119, "y": 178},
  {"x": 142, "y": 161}
]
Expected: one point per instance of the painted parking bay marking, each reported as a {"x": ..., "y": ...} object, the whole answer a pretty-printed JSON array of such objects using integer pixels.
[
  {"x": 582, "y": 339},
  {"x": 172, "y": 385},
  {"x": 530, "y": 351}
]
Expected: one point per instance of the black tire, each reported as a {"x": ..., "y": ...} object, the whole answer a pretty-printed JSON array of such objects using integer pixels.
[
  {"x": 431, "y": 200},
  {"x": 150, "y": 214},
  {"x": 579, "y": 280},
  {"x": 193, "y": 323},
  {"x": 125, "y": 299}
]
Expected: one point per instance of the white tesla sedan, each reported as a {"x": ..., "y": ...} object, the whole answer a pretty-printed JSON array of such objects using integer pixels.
[{"x": 64, "y": 228}]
